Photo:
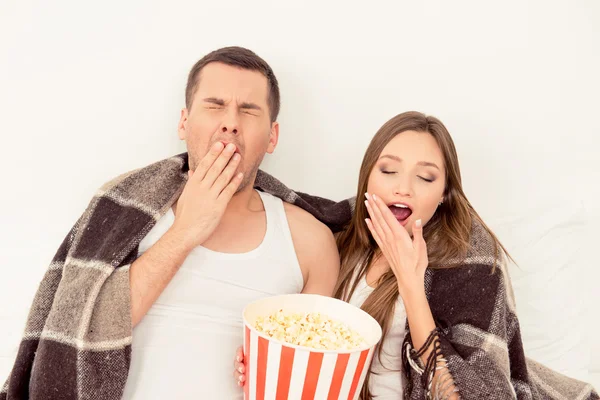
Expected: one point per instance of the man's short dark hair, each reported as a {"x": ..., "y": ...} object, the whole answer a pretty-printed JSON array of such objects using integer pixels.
[{"x": 241, "y": 58}]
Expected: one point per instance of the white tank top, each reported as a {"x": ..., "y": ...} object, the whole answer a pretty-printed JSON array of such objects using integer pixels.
[
  {"x": 185, "y": 345},
  {"x": 388, "y": 382}
]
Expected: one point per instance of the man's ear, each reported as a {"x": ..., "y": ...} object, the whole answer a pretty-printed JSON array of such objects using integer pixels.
[
  {"x": 182, "y": 126},
  {"x": 273, "y": 137}
]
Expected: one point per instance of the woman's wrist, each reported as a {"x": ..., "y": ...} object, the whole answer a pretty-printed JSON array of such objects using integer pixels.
[{"x": 413, "y": 293}]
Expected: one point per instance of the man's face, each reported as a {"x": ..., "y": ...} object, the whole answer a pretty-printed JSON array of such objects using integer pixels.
[{"x": 230, "y": 105}]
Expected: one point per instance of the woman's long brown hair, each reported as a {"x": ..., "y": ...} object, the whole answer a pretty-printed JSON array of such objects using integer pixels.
[{"x": 447, "y": 234}]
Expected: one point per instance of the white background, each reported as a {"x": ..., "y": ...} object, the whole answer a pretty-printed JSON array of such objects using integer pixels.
[{"x": 89, "y": 90}]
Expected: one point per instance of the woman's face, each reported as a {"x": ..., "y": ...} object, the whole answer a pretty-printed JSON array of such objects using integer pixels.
[{"x": 410, "y": 177}]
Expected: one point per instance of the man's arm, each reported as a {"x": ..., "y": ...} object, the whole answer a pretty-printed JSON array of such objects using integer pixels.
[
  {"x": 199, "y": 210},
  {"x": 150, "y": 274},
  {"x": 316, "y": 251}
]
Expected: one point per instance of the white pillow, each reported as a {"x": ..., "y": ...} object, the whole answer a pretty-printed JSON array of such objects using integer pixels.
[{"x": 552, "y": 283}]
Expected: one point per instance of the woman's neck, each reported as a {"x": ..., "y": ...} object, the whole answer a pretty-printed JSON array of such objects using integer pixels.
[{"x": 377, "y": 267}]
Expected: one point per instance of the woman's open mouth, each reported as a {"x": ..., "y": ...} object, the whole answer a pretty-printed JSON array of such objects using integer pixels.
[{"x": 401, "y": 211}]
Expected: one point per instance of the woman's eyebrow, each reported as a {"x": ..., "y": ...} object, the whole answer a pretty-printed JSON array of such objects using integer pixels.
[{"x": 422, "y": 163}]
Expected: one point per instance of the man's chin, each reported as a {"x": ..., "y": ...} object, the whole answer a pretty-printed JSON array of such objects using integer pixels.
[
  {"x": 241, "y": 188},
  {"x": 248, "y": 180}
]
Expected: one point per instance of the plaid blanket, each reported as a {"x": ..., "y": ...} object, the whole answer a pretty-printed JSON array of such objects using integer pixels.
[{"x": 77, "y": 339}]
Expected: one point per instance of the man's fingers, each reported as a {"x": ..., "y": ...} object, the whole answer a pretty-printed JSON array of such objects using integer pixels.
[
  {"x": 208, "y": 160},
  {"x": 239, "y": 367},
  {"x": 239, "y": 378},
  {"x": 225, "y": 177},
  {"x": 239, "y": 354},
  {"x": 231, "y": 188},
  {"x": 219, "y": 165}
]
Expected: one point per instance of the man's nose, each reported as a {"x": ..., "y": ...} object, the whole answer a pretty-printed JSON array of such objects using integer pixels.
[{"x": 230, "y": 122}]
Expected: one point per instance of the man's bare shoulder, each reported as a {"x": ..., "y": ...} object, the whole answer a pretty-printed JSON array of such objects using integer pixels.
[
  {"x": 305, "y": 224},
  {"x": 316, "y": 250}
]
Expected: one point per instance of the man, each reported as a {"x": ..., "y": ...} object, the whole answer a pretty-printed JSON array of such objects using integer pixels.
[{"x": 193, "y": 248}]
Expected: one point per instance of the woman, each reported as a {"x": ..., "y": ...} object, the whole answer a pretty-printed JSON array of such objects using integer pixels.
[{"x": 419, "y": 259}]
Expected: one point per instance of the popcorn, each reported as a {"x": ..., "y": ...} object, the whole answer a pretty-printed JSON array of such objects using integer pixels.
[{"x": 312, "y": 329}]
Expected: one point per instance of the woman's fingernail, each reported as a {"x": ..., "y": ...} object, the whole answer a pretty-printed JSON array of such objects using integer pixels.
[
  {"x": 367, "y": 195},
  {"x": 367, "y": 203},
  {"x": 238, "y": 358},
  {"x": 240, "y": 369},
  {"x": 374, "y": 197},
  {"x": 241, "y": 378},
  {"x": 418, "y": 223}
]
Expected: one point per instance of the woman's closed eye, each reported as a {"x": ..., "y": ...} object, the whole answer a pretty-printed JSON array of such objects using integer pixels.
[{"x": 391, "y": 172}]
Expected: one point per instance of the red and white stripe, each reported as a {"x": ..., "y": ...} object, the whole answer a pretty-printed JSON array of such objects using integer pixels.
[{"x": 279, "y": 372}]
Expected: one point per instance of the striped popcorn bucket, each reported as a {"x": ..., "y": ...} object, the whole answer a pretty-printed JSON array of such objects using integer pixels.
[{"x": 279, "y": 371}]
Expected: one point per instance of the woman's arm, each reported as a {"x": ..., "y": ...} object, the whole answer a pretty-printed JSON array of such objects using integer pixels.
[
  {"x": 408, "y": 260},
  {"x": 423, "y": 336}
]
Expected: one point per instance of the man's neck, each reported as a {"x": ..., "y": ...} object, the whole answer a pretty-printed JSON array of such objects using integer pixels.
[{"x": 243, "y": 201}]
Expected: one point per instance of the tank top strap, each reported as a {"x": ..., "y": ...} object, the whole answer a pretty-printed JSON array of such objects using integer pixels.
[{"x": 279, "y": 233}]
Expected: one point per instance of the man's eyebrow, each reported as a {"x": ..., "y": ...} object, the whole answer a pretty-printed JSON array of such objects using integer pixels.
[
  {"x": 214, "y": 100},
  {"x": 250, "y": 106},
  {"x": 244, "y": 105}
]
